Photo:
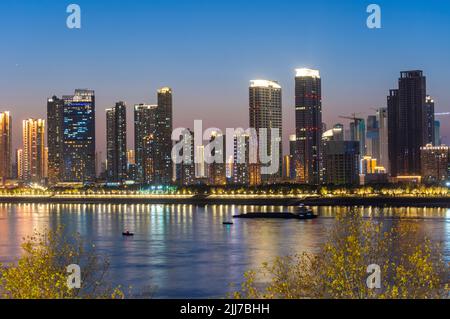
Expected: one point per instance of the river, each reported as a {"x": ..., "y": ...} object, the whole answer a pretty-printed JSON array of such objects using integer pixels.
[{"x": 185, "y": 251}]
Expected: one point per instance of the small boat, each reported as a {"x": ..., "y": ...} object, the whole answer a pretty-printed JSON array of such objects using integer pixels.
[
  {"x": 127, "y": 234},
  {"x": 228, "y": 223}
]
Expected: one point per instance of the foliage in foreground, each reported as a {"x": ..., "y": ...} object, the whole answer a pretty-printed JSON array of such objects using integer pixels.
[
  {"x": 41, "y": 273},
  {"x": 411, "y": 266}
]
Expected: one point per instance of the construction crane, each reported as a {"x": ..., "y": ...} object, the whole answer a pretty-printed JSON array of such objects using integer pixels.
[{"x": 352, "y": 117}]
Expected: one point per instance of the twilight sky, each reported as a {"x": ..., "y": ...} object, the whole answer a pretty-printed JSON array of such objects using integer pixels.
[{"x": 209, "y": 50}]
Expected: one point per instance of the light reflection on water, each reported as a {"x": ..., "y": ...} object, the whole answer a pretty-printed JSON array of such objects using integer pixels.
[{"x": 186, "y": 251}]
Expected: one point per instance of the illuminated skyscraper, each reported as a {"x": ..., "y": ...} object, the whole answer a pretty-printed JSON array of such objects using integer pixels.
[
  {"x": 308, "y": 124},
  {"x": 163, "y": 138},
  {"x": 217, "y": 169},
  {"x": 79, "y": 137},
  {"x": 241, "y": 159},
  {"x": 5, "y": 146},
  {"x": 200, "y": 165},
  {"x": 55, "y": 138},
  {"x": 116, "y": 142},
  {"x": 144, "y": 140},
  {"x": 186, "y": 169},
  {"x": 33, "y": 150},
  {"x": 428, "y": 121},
  {"x": 19, "y": 163},
  {"x": 265, "y": 106},
  {"x": 45, "y": 162},
  {"x": 292, "y": 152}
]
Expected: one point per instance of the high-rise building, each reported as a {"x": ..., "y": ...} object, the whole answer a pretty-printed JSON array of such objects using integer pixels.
[
  {"x": 292, "y": 152},
  {"x": 334, "y": 134},
  {"x": 382, "y": 117},
  {"x": 406, "y": 123},
  {"x": 19, "y": 163},
  {"x": 287, "y": 168},
  {"x": 131, "y": 165},
  {"x": 5, "y": 146},
  {"x": 98, "y": 165},
  {"x": 116, "y": 142},
  {"x": 186, "y": 168},
  {"x": 308, "y": 124},
  {"x": 241, "y": 159},
  {"x": 341, "y": 162},
  {"x": 373, "y": 137},
  {"x": 437, "y": 133},
  {"x": 144, "y": 140},
  {"x": 217, "y": 170},
  {"x": 103, "y": 169},
  {"x": 358, "y": 133},
  {"x": 33, "y": 150},
  {"x": 428, "y": 121},
  {"x": 435, "y": 163},
  {"x": 46, "y": 163},
  {"x": 79, "y": 137},
  {"x": 393, "y": 138},
  {"x": 55, "y": 139},
  {"x": 265, "y": 106},
  {"x": 200, "y": 164},
  {"x": 163, "y": 135}
]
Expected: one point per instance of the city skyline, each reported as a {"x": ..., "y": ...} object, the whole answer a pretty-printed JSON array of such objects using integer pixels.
[
  {"x": 102, "y": 147},
  {"x": 409, "y": 111},
  {"x": 210, "y": 77}
]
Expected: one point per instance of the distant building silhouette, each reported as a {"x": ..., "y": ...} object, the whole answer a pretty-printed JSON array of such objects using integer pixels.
[
  {"x": 116, "y": 142},
  {"x": 55, "y": 139},
  {"x": 407, "y": 112}
]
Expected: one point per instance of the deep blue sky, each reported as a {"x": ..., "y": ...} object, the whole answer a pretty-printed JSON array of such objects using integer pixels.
[{"x": 209, "y": 50}]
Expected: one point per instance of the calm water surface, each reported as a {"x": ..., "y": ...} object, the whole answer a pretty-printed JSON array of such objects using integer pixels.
[{"x": 183, "y": 251}]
